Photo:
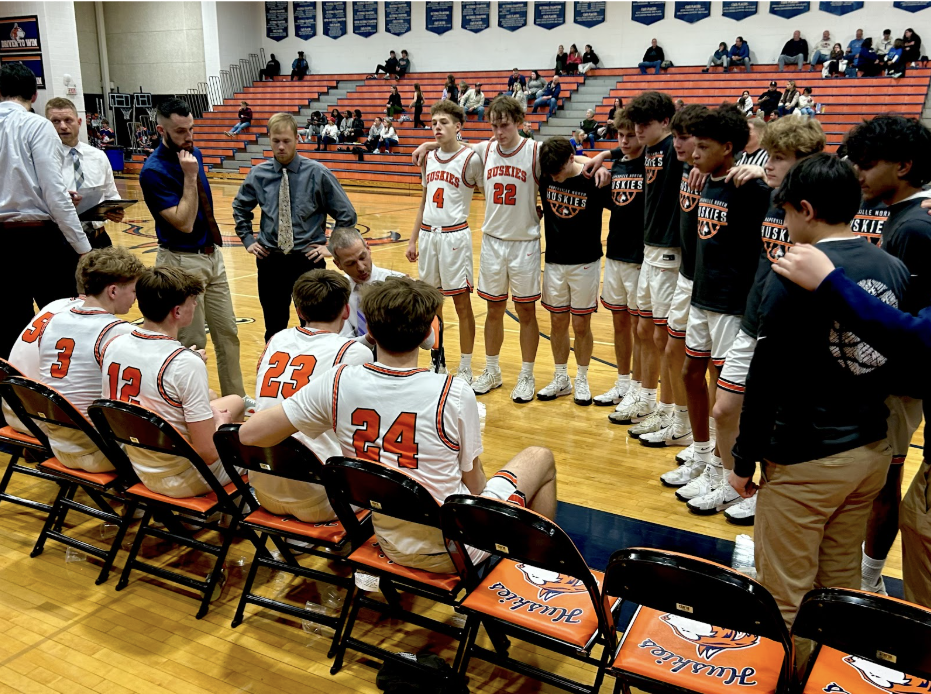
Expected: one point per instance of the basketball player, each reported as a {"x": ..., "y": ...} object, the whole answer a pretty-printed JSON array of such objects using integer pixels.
[
  {"x": 292, "y": 358},
  {"x": 826, "y": 455},
  {"x": 72, "y": 346},
  {"x": 890, "y": 153},
  {"x": 387, "y": 412},
  {"x": 449, "y": 177},
  {"x": 572, "y": 214},
  {"x": 149, "y": 367}
]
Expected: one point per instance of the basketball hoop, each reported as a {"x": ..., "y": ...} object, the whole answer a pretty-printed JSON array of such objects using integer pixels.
[
  {"x": 153, "y": 113},
  {"x": 127, "y": 112}
]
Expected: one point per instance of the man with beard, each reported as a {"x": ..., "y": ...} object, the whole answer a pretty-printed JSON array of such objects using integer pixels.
[{"x": 177, "y": 193}]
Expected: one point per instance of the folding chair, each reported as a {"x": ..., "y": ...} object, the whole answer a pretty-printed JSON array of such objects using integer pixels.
[
  {"x": 700, "y": 627},
  {"x": 541, "y": 591},
  {"x": 865, "y": 643},
  {"x": 32, "y": 401},
  {"x": 390, "y": 492},
  {"x": 35, "y": 443},
  {"x": 332, "y": 540},
  {"x": 132, "y": 426}
]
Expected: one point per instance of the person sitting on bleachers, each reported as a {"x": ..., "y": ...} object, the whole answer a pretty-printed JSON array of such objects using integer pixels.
[
  {"x": 740, "y": 53},
  {"x": 328, "y": 136},
  {"x": 653, "y": 57},
  {"x": 806, "y": 103},
  {"x": 517, "y": 78},
  {"x": 589, "y": 127},
  {"x": 393, "y": 106},
  {"x": 590, "y": 60},
  {"x": 535, "y": 86},
  {"x": 520, "y": 95},
  {"x": 358, "y": 126},
  {"x": 795, "y": 51},
  {"x": 345, "y": 128},
  {"x": 577, "y": 141},
  {"x": 450, "y": 91},
  {"x": 820, "y": 51},
  {"x": 313, "y": 128},
  {"x": 299, "y": 67},
  {"x": 371, "y": 143},
  {"x": 769, "y": 100},
  {"x": 561, "y": 58},
  {"x": 607, "y": 131},
  {"x": 390, "y": 67},
  {"x": 719, "y": 57},
  {"x": 853, "y": 48},
  {"x": 473, "y": 101},
  {"x": 404, "y": 65},
  {"x": 573, "y": 60},
  {"x": 836, "y": 64},
  {"x": 271, "y": 70},
  {"x": 745, "y": 103},
  {"x": 894, "y": 62},
  {"x": 549, "y": 96},
  {"x": 788, "y": 102},
  {"x": 868, "y": 63},
  {"x": 245, "y": 119},
  {"x": 388, "y": 137},
  {"x": 885, "y": 44},
  {"x": 911, "y": 47}
]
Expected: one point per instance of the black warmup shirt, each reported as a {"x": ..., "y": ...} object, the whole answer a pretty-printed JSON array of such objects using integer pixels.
[
  {"x": 625, "y": 230},
  {"x": 572, "y": 219},
  {"x": 846, "y": 379},
  {"x": 870, "y": 221},
  {"x": 907, "y": 236},
  {"x": 688, "y": 223},
  {"x": 775, "y": 243},
  {"x": 663, "y": 174},
  {"x": 729, "y": 220}
]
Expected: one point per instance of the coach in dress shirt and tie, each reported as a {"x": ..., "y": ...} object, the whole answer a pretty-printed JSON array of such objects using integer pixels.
[
  {"x": 296, "y": 194},
  {"x": 177, "y": 193}
]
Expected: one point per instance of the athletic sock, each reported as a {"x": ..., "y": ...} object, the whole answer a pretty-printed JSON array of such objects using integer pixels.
[
  {"x": 667, "y": 408},
  {"x": 712, "y": 428},
  {"x": 582, "y": 372},
  {"x": 682, "y": 417},
  {"x": 648, "y": 395},
  {"x": 526, "y": 368},
  {"x": 704, "y": 450},
  {"x": 491, "y": 363},
  {"x": 636, "y": 385},
  {"x": 621, "y": 379},
  {"x": 561, "y": 370},
  {"x": 871, "y": 569},
  {"x": 465, "y": 361}
]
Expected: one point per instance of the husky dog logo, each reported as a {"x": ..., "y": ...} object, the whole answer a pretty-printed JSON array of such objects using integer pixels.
[
  {"x": 550, "y": 583},
  {"x": 709, "y": 640},
  {"x": 624, "y": 189},
  {"x": 688, "y": 198},
  {"x": 888, "y": 679}
]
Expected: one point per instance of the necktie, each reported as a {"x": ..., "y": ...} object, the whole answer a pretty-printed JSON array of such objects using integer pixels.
[
  {"x": 78, "y": 171},
  {"x": 207, "y": 208},
  {"x": 285, "y": 230}
]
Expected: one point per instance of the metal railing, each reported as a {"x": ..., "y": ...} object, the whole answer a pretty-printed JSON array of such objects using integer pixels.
[{"x": 225, "y": 85}]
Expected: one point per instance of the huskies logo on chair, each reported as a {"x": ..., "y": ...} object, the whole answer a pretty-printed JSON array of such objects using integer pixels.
[
  {"x": 550, "y": 583},
  {"x": 887, "y": 679},
  {"x": 709, "y": 640}
]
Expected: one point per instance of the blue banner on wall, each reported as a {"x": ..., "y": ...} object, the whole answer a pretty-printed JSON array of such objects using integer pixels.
[
  {"x": 439, "y": 17},
  {"x": 364, "y": 18},
  {"x": 276, "y": 20},
  {"x": 738, "y": 10},
  {"x": 647, "y": 12},
  {"x": 787, "y": 10},
  {"x": 589, "y": 14},
  {"x": 32, "y": 60},
  {"x": 476, "y": 16},
  {"x": 305, "y": 19},
  {"x": 398, "y": 17},
  {"x": 692, "y": 12},
  {"x": 334, "y": 19},
  {"x": 840, "y": 8},
  {"x": 911, "y": 6},
  {"x": 549, "y": 15},
  {"x": 512, "y": 15},
  {"x": 19, "y": 34}
]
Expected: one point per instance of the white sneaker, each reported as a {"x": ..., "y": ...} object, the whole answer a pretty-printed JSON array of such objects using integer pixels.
[
  {"x": 559, "y": 386},
  {"x": 635, "y": 411},
  {"x": 666, "y": 437},
  {"x": 583, "y": 394},
  {"x": 523, "y": 391},
  {"x": 465, "y": 373},
  {"x": 742, "y": 513},
  {"x": 489, "y": 380},
  {"x": 658, "y": 419},
  {"x": 721, "y": 496},
  {"x": 702, "y": 484},
  {"x": 683, "y": 457},
  {"x": 682, "y": 475},
  {"x": 613, "y": 396},
  {"x": 250, "y": 406}
]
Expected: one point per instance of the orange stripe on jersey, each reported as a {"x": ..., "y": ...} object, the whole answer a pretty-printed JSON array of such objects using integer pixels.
[
  {"x": 98, "y": 349},
  {"x": 342, "y": 351},
  {"x": 731, "y": 387},
  {"x": 508, "y": 475},
  {"x": 143, "y": 336},
  {"x": 465, "y": 167},
  {"x": 161, "y": 374},
  {"x": 87, "y": 311},
  {"x": 311, "y": 333},
  {"x": 440, "y": 408},
  {"x": 392, "y": 372},
  {"x": 533, "y": 168},
  {"x": 523, "y": 142},
  {"x": 436, "y": 155},
  {"x": 446, "y": 230},
  {"x": 339, "y": 373},
  {"x": 614, "y": 307}
]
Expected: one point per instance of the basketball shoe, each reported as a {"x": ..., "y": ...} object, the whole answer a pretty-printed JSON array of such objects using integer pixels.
[
  {"x": 465, "y": 373},
  {"x": 632, "y": 411},
  {"x": 702, "y": 484},
  {"x": 742, "y": 513},
  {"x": 559, "y": 386},
  {"x": 669, "y": 435},
  {"x": 489, "y": 380},
  {"x": 683, "y": 474},
  {"x": 613, "y": 396},
  {"x": 523, "y": 391},
  {"x": 660, "y": 418},
  {"x": 583, "y": 394},
  {"x": 721, "y": 496}
]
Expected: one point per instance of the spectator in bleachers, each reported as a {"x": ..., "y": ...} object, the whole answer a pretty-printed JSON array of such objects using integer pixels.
[
  {"x": 299, "y": 67},
  {"x": 313, "y": 128},
  {"x": 328, "y": 136},
  {"x": 795, "y": 51},
  {"x": 561, "y": 59},
  {"x": 745, "y": 103},
  {"x": 417, "y": 105},
  {"x": 719, "y": 57},
  {"x": 853, "y": 48},
  {"x": 577, "y": 140},
  {"x": 740, "y": 53},
  {"x": 894, "y": 62},
  {"x": 390, "y": 66},
  {"x": 463, "y": 88},
  {"x": 358, "y": 125},
  {"x": 836, "y": 62},
  {"x": 573, "y": 61},
  {"x": 806, "y": 103},
  {"x": 271, "y": 70},
  {"x": 450, "y": 91},
  {"x": 526, "y": 131},
  {"x": 473, "y": 101},
  {"x": 517, "y": 78},
  {"x": 769, "y": 100},
  {"x": 245, "y": 119},
  {"x": 789, "y": 100},
  {"x": 106, "y": 132},
  {"x": 590, "y": 60},
  {"x": 885, "y": 44},
  {"x": 371, "y": 143},
  {"x": 868, "y": 63},
  {"x": 754, "y": 154},
  {"x": 821, "y": 51},
  {"x": 393, "y": 107},
  {"x": 535, "y": 86},
  {"x": 680, "y": 104},
  {"x": 404, "y": 65},
  {"x": 345, "y": 128},
  {"x": 388, "y": 137},
  {"x": 337, "y": 116},
  {"x": 589, "y": 127},
  {"x": 520, "y": 95},
  {"x": 607, "y": 131},
  {"x": 653, "y": 58},
  {"x": 549, "y": 96},
  {"x": 911, "y": 47}
]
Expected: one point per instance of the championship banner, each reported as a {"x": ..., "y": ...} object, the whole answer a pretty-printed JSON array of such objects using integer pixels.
[
  {"x": 364, "y": 18},
  {"x": 31, "y": 60},
  {"x": 911, "y": 5},
  {"x": 738, "y": 10},
  {"x": 397, "y": 18},
  {"x": 305, "y": 19},
  {"x": 692, "y": 12},
  {"x": 549, "y": 15},
  {"x": 439, "y": 17},
  {"x": 512, "y": 15},
  {"x": 788, "y": 10},
  {"x": 647, "y": 12},
  {"x": 334, "y": 19},
  {"x": 589, "y": 14},
  {"x": 476, "y": 16},
  {"x": 18, "y": 34},
  {"x": 840, "y": 8},
  {"x": 276, "y": 20}
]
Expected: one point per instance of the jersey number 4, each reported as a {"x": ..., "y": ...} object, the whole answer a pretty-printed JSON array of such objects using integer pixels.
[
  {"x": 399, "y": 439},
  {"x": 438, "y": 198},
  {"x": 303, "y": 366},
  {"x": 131, "y": 379},
  {"x": 504, "y": 194}
]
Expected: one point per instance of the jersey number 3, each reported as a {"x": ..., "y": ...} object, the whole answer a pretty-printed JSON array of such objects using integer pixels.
[
  {"x": 504, "y": 194},
  {"x": 399, "y": 439}
]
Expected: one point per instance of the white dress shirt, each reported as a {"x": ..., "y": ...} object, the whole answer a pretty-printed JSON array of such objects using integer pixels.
[
  {"x": 351, "y": 325},
  {"x": 96, "y": 169},
  {"x": 31, "y": 171}
]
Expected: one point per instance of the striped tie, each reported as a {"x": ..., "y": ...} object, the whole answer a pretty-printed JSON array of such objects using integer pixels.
[{"x": 78, "y": 171}]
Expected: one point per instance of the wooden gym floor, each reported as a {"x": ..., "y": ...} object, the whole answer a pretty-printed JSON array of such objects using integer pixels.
[{"x": 59, "y": 632}]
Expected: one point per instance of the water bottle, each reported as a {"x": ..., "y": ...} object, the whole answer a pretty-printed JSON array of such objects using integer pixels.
[{"x": 742, "y": 559}]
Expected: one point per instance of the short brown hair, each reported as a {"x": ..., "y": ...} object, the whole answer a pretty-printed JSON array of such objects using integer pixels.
[
  {"x": 399, "y": 312},
  {"x": 555, "y": 153},
  {"x": 800, "y": 137},
  {"x": 622, "y": 121},
  {"x": 60, "y": 103},
  {"x": 504, "y": 107},
  {"x": 100, "y": 268},
  {"x": 282, "y": 120},
  {"x": 320, "y": 295},
  {"x": 160, "y": 289},
  {"x": 757, "y": 124},
  {"x": 448, "y": 108},
  {"x": 686, "y": 117}
]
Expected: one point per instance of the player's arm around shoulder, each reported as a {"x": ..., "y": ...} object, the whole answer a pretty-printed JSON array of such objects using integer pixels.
[{"x": 412, "y": 254}]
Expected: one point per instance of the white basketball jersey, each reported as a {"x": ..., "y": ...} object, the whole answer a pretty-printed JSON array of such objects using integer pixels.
[
  {"x": 510, "y": 183},
  {"x": 450, "y": 184}
]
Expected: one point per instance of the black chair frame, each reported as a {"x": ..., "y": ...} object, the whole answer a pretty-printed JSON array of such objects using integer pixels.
[
  {"x": 32, "y": 401},
  {"x": 127, "y": 424},
  {"x": 505, "y": 530},
  {"x": 664, "y": 580}
]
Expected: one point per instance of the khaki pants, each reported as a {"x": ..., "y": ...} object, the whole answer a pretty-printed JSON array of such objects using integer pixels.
[
  {"x": 216, "y": 306},
  {"x": 811, "y": 520},
  {"x": 915, "y": 523}
]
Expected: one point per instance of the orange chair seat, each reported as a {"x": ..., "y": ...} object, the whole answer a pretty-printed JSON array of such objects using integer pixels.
[
  {"x": 331, "y": 532},
  {"x": 200, "y": 504},
  {"x": 525, "y": 596},
  {"x": 835, "y": 671},
  {"x": 370, "y": 554},
  {"x": 10, "y": 433},
  {"x": 696, "y": 656},
  {"x": 100, "y": 478}
]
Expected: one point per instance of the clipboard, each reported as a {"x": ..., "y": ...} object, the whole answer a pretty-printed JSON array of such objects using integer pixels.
[{"x": 96, "y": 213}]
